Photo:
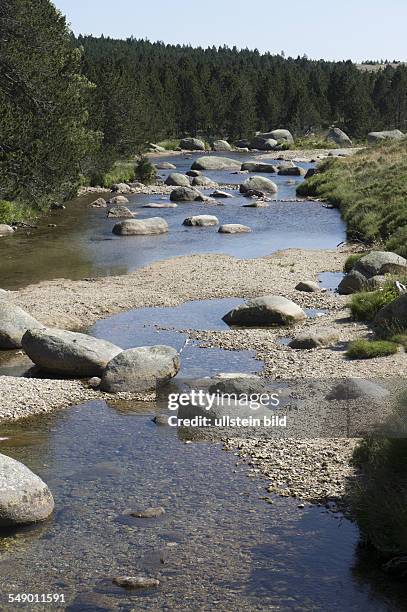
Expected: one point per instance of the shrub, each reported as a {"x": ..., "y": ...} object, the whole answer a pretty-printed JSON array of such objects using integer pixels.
[
  {"x": 170, "y": 145},
  {"x": 365, "y": 305},
  {"x": 400, "y": 339},
  {"x": 351, "y": 260},
  {"x": 121, "y": 172},
  {"x": 144, "y": 170},
  {"x": 14, "y": 212},
  {"x": 368, "y": 349}
]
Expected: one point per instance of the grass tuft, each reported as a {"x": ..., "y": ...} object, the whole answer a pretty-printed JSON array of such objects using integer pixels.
[
  {"x": 368, "y": 349},
  {"x": 14, "y": 212},
  {"x": 351, "y": 260},
  {"x": 365, "y": 305}
]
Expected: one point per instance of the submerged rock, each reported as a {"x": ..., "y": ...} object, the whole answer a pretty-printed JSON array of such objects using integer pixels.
[
  {"x": 292, "y": 171},
  {"x": 234, "y": 228},
  {"x": 14, "y": 322},
  {"x": 258, "y": 183},
  {"x": 70, "y": 353},
  {"x": 201, "y": 221},
  {"x": 165, "y": 166},
  {"x": 161, "y": 205},
  {"x": 140, "y": 369},
  {"x": 270, "y": 310},
  {"x": 141, "y": 227},
  {"x": 24, "y": 497},
  {"x": 211, "y": 162}
]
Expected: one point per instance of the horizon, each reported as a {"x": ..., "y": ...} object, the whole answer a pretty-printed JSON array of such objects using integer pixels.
[{"x": 311, "y": 35}]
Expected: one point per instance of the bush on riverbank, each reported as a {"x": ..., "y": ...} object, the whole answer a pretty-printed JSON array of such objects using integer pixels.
[
  {"x": 365, "y": 305},
  {"x": 379, "y": 498},
  {"x": 369, "y": 349},
  {"x": 370, "y": 188},
  {"x": 14, "y": 212}
]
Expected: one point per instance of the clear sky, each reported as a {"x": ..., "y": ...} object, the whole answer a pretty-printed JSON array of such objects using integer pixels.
[{"x": 329, "y": 29}]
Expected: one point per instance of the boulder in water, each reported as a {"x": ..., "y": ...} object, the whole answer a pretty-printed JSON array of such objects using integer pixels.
[
  {"x": 221, "y": 145},
  {"x": 186, "y": 194},
  {"x": 201, "y": 221},
  {"x": 6, "y": 230},
  {"x": 175, "y": 179},
  {"x": 120, "y": 212},
  {"x": 212, "y": 162},
  {"x": 118, "y": 201},
  {"x": 99, "y": 203},
  {"x": 203, "y": 181},
  {"x": 234, "y": 228},
  {"x": 258, "y": 183},
  {"x": 14, "y": 322},
  {"x": 270, "y": 310},
  {"x": 165, "y": 166},
  {"x": 292, "y": 171},
  {"x": 141, "y": 227},
  {"x": 24, "y": 497},
  {"x": 69, "y": 353},
  {"x": 259, "y": 167},
  {"x": 140, "y": 370}
]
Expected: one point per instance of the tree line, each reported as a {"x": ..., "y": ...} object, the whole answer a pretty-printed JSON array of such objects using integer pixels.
[{"x": 70, "y": 107}]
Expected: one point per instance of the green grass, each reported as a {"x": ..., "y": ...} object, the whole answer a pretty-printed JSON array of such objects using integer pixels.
[
  {"x": 370, "y": 189},
  {"x": 368, "y": 349},
  {"x": 15, "y": 212},
  {"x": 365, "y": 305},
  {"x": 170, "y": 145},
  {"x": 351, "y": 260},
  {"x": 122, "y": 172},
  {"x": 308, "y": 143},
  {"x": 400, "y": 339}
]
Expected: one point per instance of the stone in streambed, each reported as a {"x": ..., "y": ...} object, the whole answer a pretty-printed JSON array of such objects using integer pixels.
[
  {"x": 315, "y": 339},
  {"x": 295, "y": 171},
  {"x": 186, "y": 194},
  {"x": 136, "y": 582},
  {"x": 117, "y": 200},
  {"x": 308, "y": 286},
  {"x": 161, "y": 419},
  {"x": 220, "y": 194},
  {"x": 193, "y": 173},
  {"x": 160, "y": 205},
  {"x": 234, "y": 228},
  {"x": 352, "y": 283},
  {"x": 141, "y": 227},
  {"x": 6, "y": 230},
  {"x": 120, "y": 212},
  {"x": 14, "y": 322},
  {"x": 270, "y": 310},
  {"x": 165, "y": 166},
  {"x": 140, "y": 369},
  {"x": 24, "y": 497},
  {"x": 177, "y": 180},
  {"x": 148, "y": 513},
  {"x": 212, "y": 162},
  {"x": 68, "y": 353},
  {"x": 221, "y": 145},
  {"x": 203, "y": 181},
  {"x": 201, "y": 221},
  {"x": 259, "y": 167},
  {"x": 258, "y": 183},
  {"x": 99, "y": 203}
]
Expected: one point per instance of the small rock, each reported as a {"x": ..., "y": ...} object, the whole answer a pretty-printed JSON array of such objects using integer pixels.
[
  {"x": 220, "y": 194},
  {"x": 136, "y": 582},
  {"x": 6, "y": 230},
  {"x": 201, "y": 221},
  {"x": 119, "y": 212},
  {"x": 234, "y": 228},
  {"x": 118, "y": 200},
  {"x": 308, "y": 286},
  {"x": 99, "y": 203},
  {"x": 161, "y": 419},
  {"x": 94, "y": 382},
  {"x": 148, "y": 513}
]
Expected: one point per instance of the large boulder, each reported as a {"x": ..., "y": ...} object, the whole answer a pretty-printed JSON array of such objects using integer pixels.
[
  {"x": 99, "y": 203},
  {"x": 201, "y": 221},
  {"x": 258, "y": 183},
  {"x": 186, "y": 194},
  {"x": 339, "y": 137},
  {"x": 203, "y": 181},
  {"x": 140, "y": 370},
  {"x": 375, "y": 137},
  {"x": 165, "y": 166},
  {"x": 121, "y": 188},
  {"x": 175, "y": 179},
  {"x": 68, "y": 353},
  {"x": 377, "y": 263},
  {"x": 315, "y": 338},
  {"x": 259, "y": 167},
  {"x": 6, "y": 230},
  {"x": 234, "y": 228},
  {"x": 120, "y": 212},
  {"x": 393, "y": 316},
  {"x": 266, "y": 311},
  {"x": 141, "y": 227},
  {"x": 192, "y": 144},
  {"x": 118, "y": 201},
  {"x": 213, "y": 162},
  {"x": 263, "y": 143},
  {"x": 221, "y": 145},
  {"x": 24, "y": 497},
  {"x": 294, "y": 171},
  {"x": 14, "y": 322},
  {"x": 352, "y": 283},
  {"x": 281, "y": 136}
]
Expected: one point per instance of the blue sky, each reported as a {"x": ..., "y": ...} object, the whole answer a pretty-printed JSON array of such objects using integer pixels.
[{"x": 339, "y": 29}]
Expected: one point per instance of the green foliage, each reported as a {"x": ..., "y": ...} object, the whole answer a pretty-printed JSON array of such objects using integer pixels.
[
  {"x": 400, "y": 339},
  {"x": 379, "y": 499},
  {"x": 121, "y": 172},
  {"x": 44, "y": 132},
  {"x": 368, "y": 349},
  {"x": 365, "y": 305},
  {"x": 370, "y": 189},
  {"x": 170, "y": 145},
  {"x": 351, "y": 260},
  {"x": 14, "y": 212},
  {"x": 144, "y": 170}
]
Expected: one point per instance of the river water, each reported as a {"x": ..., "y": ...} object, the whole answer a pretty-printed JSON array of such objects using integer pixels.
[
  {"x": 82, "y": 244},
  {"x": 220, "y": 545}
]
